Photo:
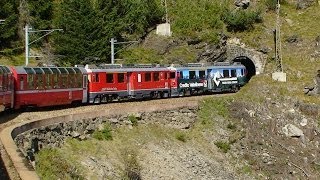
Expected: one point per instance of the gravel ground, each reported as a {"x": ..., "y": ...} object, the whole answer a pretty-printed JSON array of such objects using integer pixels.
[{"x": 9, "y": 119}]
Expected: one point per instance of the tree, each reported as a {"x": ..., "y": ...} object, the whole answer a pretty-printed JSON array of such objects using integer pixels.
[
  {"x": 76, "y": 18},
  {"x": 9, "y": 29}
]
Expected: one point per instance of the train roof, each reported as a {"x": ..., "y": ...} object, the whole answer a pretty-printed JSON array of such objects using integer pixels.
[
  {"x": 49, "y": 70},
  {"x": 5, "y": 70}
]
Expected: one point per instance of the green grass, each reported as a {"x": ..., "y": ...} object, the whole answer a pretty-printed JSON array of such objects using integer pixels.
[
  {"x": 224, "y": 146},
  {"x": 104, "y": 134},
  {"x": 53, "y": 164}
]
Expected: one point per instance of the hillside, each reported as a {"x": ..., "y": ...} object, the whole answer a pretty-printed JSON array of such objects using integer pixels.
[{"x": 244, "y": 135}]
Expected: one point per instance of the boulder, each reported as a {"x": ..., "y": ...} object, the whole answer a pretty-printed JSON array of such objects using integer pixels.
[
  {"x": 303, "y": 4},
  {"x": 291, "y": 130},
  {"x": 242, "y": 3}
]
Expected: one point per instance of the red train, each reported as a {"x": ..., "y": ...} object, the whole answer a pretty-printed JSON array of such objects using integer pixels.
[{"x": 22, "y": 87}]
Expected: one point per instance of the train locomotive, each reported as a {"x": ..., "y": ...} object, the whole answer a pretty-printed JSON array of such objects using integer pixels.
[{"x": 22, "y": 87}]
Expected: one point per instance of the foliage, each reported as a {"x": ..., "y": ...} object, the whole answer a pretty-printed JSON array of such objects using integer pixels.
[
  {"x": 272, "y": 4},
  {"x": 241, "y": 20},
  {"x": 133, "y": 119},
  {"x": 224, "y": 146},
  {"x": 9, "y": 28},
  {"x": 190, "y": 17},
  {"x": 51, "y": 164},
  {"x": 104, "y": 134},
  {"x": 181, "y": 136},
  {"x": 140, "y": 55}
]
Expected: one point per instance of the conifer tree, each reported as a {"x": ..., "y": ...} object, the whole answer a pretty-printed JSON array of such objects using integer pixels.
[{"x": 9, "y": 28}]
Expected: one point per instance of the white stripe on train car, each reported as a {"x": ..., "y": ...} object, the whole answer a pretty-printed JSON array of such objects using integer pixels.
[{"x": 47, "y": 91}]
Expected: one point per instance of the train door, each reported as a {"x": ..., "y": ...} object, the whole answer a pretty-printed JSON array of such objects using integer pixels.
[
  {"x": 85, "y": 88},
  {"x": 129, "y": 83}
]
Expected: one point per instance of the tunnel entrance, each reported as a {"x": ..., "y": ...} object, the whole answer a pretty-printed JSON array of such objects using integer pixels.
[{"x": 251, "y": 68}]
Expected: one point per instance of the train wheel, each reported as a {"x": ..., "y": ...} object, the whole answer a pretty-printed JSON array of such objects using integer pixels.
[{"x": 97, "y": 100}]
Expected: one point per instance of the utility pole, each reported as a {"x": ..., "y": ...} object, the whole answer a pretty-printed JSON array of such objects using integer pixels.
[
  {"x": 165, "y": 4},
  {"x": 278, "y": 40},
  {"x": 279, "y": 75},
  {"x": 113, "y": 42},
  {"x": 28, "y": 30}
]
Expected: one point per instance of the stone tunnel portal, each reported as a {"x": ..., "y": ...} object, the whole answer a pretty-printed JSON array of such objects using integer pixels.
[{"x": 251, "y": 68}]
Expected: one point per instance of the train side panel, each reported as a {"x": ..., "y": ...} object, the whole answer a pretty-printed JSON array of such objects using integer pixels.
[
  {"x": 44, "y": 86},
  {"x": 6, "y": 88},
  {"x": 107, "y": 84},
  {"x": 153, "y": 83}
]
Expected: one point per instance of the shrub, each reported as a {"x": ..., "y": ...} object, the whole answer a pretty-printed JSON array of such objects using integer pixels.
[
  {"x": 50, "y": 164},
  {"x": 240, "y": 20},
  {"x": 224, "y": 146},
  {"x": 181, "y": 136},
  {"x": 133, "y": 119},
  {"x": 104, "y": 134}
]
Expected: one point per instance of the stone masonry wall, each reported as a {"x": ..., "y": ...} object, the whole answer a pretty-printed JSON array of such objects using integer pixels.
[{"x": 55, "y": 135}]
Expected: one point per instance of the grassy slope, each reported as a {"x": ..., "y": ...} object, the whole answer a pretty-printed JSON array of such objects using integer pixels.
[{"x": 297, "y": 63}]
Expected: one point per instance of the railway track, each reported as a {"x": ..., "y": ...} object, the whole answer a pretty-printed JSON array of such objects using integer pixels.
[{"x": 11, "y": 119}]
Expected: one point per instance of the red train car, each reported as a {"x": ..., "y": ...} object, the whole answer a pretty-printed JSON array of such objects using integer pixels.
[
  {"x": 49, "y": 86},
  {"x": 107, "y": 84},
  {"x": 139, "y": 81},
  {"x": 150, "y": 82},
  {"x": 6, "y": 88}
]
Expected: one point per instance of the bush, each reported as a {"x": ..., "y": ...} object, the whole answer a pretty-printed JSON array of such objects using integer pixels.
[
  {"x": 133, "y": 119},
  {"x": 224, "y": 146},
  {"x": 240, "y": 20},
  {"x": 104, "y": 134},
  {"x": 50, "y": 164},
  {"x": 181, "y": 136}
]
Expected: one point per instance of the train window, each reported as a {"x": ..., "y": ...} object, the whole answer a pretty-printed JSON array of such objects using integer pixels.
[
  {"x": 64, "y": 80},
  {"x": 181, "y": 75},
  {"x": 139, "y": 77},
  {"x": 192, "y": 74},
  {"x": 147, "y": 77},
  {"x": 21, "y": 83},
  {"x": 39, "y": 81},
  {"x": 38, "y": 70},
  {"x": 156, "y": 76},
  {"x": 30, "y": 81},
  {"x": 48, "y": 81},
  {"x": 46, "y": 71},
  {"x": 29, "y": 70},
  {"x": 165, "y": 75},
  {"x": 110, "y": 78},
  {"x": 79, "y": 80},
  {"x": 120, "y": 77},
  {"x": 77, "y": 70},
  {"x": 233, "y": 73},
  {"x": 6, "y": 69},
  {"x": 63, "y": 71},
  {"x": 95, "y": 77},
  {"x": 225, "y": 73},
  {"x": 202, "y": 74},
  {"x": 172, "y": 75},
  {"x": 55, "y": 70},
  {"x": 55, "y": 81},
  {"x": 70, "y": 71}
]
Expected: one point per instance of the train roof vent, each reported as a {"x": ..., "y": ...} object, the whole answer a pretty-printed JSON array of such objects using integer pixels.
[
  {"x": 221, "y": 63},
  {"x": 110, "y": 66},
  {"x": 142, "y": 65},
  {"x": 195, "y": 64},
  {"x": 90, "y": 66},
  {"x": 79, "y": 65}
]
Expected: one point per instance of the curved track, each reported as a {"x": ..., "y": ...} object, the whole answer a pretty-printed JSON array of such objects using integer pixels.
[{"x": 11, "y": 119}]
